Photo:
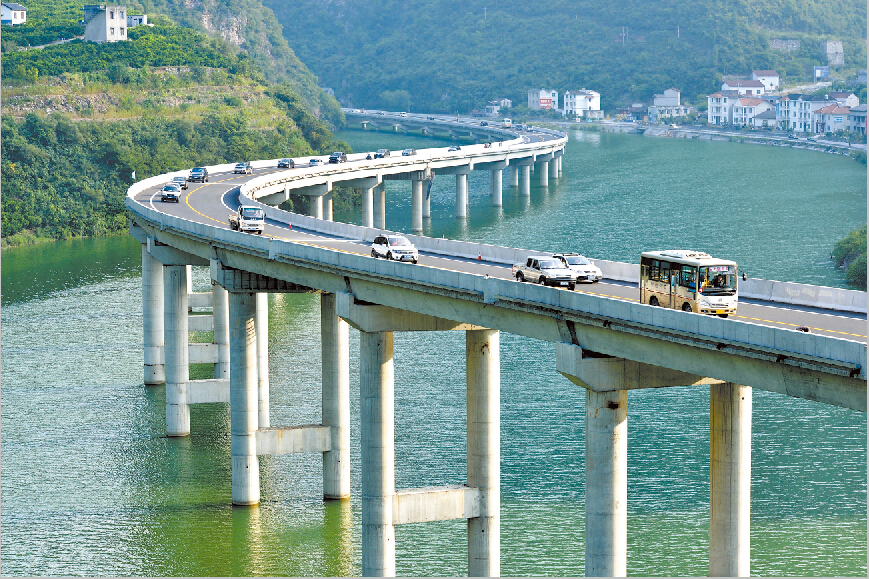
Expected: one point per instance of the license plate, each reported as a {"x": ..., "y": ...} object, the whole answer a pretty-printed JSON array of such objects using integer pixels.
[
  {"x": 720, "y": 311},
  {"x": 564, "y": 283}
]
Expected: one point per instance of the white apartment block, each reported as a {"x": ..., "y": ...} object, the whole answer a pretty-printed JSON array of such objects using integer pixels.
[
  {"x": 668, "y": 105},
  {"x": 12, "y": 14},
  {"x": 769, "y": 79},
  {"x": 745, "y": 109},
  {"x": 719, "y": 110},
  {"x": 543, "y": 99},
  {"x": 744, "y": 87},
  {"x": 105, "y": 23},
  {"x": 830, "y": 119},
  {"x": 578, "y": 103},
  {"x": 857, "y": 119}
]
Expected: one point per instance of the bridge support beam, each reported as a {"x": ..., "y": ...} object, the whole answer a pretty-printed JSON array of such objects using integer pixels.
[
  {"x": 262, "y": 356},
  {"x": 730, "y": 480},
  {"x": 461, "y": 196},
  {"x": 176, "y": 350},
  {"x": 335, "y": 339},
  {"x": 377, "y": 391},
  {"x": 220, "y": 309},
  {"x": 152, "y": 318},
  {"x": 483, "y": 370},
  {"x": 416, "y": 203},
  {"x": 244, "y": 416}
]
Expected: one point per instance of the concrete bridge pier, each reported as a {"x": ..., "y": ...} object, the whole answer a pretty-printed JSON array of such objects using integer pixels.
[
  {"x": 262, "y": 355},
  {"x": 543, "y": 173},
  {"x": 496, "y": 186},
  {"x": 152, "y": 318},
  {"x": 243, "y": 394},
  {"x": 461, "y": 195},
  {"x": 327, "y": 206},
  {"x": 426, "y": 199},
  {"x": 335, "y": 338},
  {"x": 368, "y": 206},
  {"x": 176, "y": 350},
  {"x": 525, "y": 187},
  {"x": 416, "y": 203},
  {"x": 514, "y": 175},
  {"x": 730, "y": 480},
  {"x": 316, "y": 208},
  {"x": 220, "y": 310},
  {"x": 380, "y": 206},
  {"x": 553, "y": 167}
]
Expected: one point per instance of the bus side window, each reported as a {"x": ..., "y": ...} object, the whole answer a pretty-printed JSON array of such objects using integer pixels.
[
  {"x": 689, "y": 276},
  {"x": 655, "y": 270}
]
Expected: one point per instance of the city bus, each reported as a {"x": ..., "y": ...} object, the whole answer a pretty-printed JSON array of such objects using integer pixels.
[
  {"x": 508, "y": 123},
  {"x": 691, "y": 281}
]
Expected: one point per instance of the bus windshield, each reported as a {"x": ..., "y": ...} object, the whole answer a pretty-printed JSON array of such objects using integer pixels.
[{"x": 718, "y": 280}]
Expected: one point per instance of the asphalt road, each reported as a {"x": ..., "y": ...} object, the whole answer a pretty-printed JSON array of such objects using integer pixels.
[{"x": 212, "y": 203}]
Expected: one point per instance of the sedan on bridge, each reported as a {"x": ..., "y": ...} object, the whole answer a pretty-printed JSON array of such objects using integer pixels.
[
  {"x": 381, "y": 153},
  {"x": 286, "y": 164},
  {"x": 408, "y": 152},
  {"x": 243, "y": 168},
  {"x": 171, "y": 192},
  {"x": 180, "y": 181},
  {"x": 394, "y": 247},
  {"x": 454, "y": 148}
]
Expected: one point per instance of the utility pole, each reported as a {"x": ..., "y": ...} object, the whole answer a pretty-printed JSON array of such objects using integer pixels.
[{"x": 678, "y": 35}]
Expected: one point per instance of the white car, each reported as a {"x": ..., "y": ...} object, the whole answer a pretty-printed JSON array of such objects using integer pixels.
[
  {"x": 394, "y": 247},
  {"x": 584, "y": 268}
]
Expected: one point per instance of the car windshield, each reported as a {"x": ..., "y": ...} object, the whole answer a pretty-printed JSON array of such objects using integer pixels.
[
  {"x": 178, "y": 179},
  {"x": 577, "y": 260},
  {"x": 285, "y": 160},
  {"x": 171, "y": 187},
  {"x": 718, "y": 280},
  {"x": 381, "y": 150},
  {"x": 252, "y": 213},
  {"x": 549, "y": 264},
  {"x": 398, "y": 242}
]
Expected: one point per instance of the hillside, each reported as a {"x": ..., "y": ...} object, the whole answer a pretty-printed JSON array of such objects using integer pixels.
[{"x": 450, "y": 57}]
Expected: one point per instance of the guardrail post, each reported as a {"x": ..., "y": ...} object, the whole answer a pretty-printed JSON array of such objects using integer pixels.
[
  {"x": 244, "y": 419},
  {"x": 730, "y": 480},
  {"x": 152, "y": 318},
  {"x": 416, "y": 202},
  {"x": 377, "y": 392},
  {"x": 262, "y": 355},
  {"x": 483, "y": 359},
  {"x": 336, "y": 398},
  {"x": 177, "y": 366}
]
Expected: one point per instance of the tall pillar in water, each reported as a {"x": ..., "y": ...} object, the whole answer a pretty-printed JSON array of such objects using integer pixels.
[
  {"x": 426, "y": 199},
  {"x": 262, "y": 356},
  {"x": 483, "y": 354},
  {"x": 461, "y": 196},
  {"x": 525, "y": 187},
  {"x": 560, "y": 165},
  {"x": 376, "y": 386},
  {"x": 730, "y": 480},
  {"x": 152, "y": 318},
  {"x": 177, "y": 357},
  {"x": 416, "y": 203},
  {"x": 316, "y": 209},
  {"x": 514, "y": 175},
  {"x": 244, "y": 415},
  {"x": 606, "y": 483},
  {"x": 553, "y": 167},
  {"x": 380, "y": 203},
  {"x": 368, "y": 207},
  {"x": 335, "y": 337},
  {"x": 327, "y": 206},
  {"x": 496, "y": 186},
  {"x": 543, "y": 172},
  {"x": 189, "y": 286},
  {"x": 220, "y": 309}
]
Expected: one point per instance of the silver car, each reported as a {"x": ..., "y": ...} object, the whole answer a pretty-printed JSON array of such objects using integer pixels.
[{"x": 394, "y": 247}]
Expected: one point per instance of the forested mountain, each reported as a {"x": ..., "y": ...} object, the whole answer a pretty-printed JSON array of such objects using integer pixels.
[{"x": 442, "y": 55}]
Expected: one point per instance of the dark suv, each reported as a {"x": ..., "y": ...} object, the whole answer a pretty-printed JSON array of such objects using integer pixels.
[
  {"x": 338, "y": 157},
  {"x": 199, "y": 174},
  {"x": 381, "y": 153}
]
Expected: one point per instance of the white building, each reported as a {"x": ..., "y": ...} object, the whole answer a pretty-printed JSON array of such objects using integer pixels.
[
  {"x": 543, "y": 99},
  {"x": 719, "y": 107},
  {"x": 668, "y": 105},
  {"x": 765, "y": 119},
  {"x": 744, "y": 87},
  {"x": 746, "y": 108},
  {"x": 857, "y": 119},
  {"x": 769, "y": 79},
  {"x": 12, "y": 14},
  {"x": 577, "y": 103},
  {"x": 134, "y": 20},
  {"x": 846, "y": 99},
  {"x": 830, "y": 119},
  {"x": 105, "y": 23}
]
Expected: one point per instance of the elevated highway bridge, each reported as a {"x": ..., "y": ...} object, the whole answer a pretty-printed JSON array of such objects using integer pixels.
[{"x": 606, "y": 342}]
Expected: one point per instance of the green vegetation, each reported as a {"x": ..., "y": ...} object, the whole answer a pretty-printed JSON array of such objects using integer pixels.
[
  {"x": 850, "y": 254},
  {"x": 437, "y": 56}
]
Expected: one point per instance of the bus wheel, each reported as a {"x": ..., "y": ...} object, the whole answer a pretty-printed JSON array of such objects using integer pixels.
[
  {"x": 653, "y": 301},
  {"x": 722, "y": 315},
  {"x": 686, "y": 307}
]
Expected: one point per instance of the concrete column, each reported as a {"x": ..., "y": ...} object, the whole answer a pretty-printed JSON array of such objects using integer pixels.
[
  {"x": 189, "y": 285},
  {"x": 606, "y": 483},
  {"x": 496, "y": 186},
  {"x": 514, "y": 175},
  {"x": 560, "y": 165},
  {"x": 177, "y": 365},
  {"x": 262, "y": 358},
  {"x": 483, "y": 351},
  {"x": 553, "y": 167},
  {"x": 730, "y": 480},
  {"x": 416, "y": 202},
  {"x": 316, "y": 207},
  {"x": 368, "y": 207},
  {"x": 327, "y": 206},
  {"x": 426, "y": 199},
  {"x": 152, "y": 318},
  {"x": 335, "y": 336},
  {"x": 376, "y": 386},
  {"x": 380, "y": 203},
  {"x": 244, "y": 419},
  {"x": 461, "y": 196},
  {"x": 220, "y": 309},
  {"x": 543, "y": 173},
  {"x": 525, "y": 188}
]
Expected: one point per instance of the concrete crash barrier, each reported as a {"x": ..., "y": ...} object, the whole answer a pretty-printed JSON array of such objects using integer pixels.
[{"x": 829, "y": 298}]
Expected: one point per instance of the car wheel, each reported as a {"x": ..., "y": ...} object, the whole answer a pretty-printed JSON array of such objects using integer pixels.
[
  {"x": 388, "y": 256},
  {"x": 723, "y": 315},
  {"x": 373, "y": 254},
  {"x": 653, "y": 301},
  {"x": 686, "y": 307},
  {"x": 571, "y": 287},
  {"x": 542, "y": 280},
  {"x": 520, "y": 277},
  {"x": 415, "y": 261}
]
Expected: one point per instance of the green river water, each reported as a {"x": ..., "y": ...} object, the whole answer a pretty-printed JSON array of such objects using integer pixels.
[{"x": 91, "y": 486}]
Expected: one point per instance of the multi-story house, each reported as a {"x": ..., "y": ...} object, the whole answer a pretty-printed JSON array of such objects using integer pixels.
[
  {"x": 543, "y": 99},
  {"x": 668, "y": 105},
  {"x": 794, "y": 112},
  {"x": 857, "y": 119},
  {"x": 846, "y": 99},
  {"x": 578, "y": 103},
  {"x": 769, "y": 79},
  {"x": 719, "y": 107},
  {"x": 105, "y": 23},
  {"x": 765, "y": 119},
  {"x": 744, "y": 87},
  {"x": 12, "y": 14},
  {"x": 830, "y": 119},
  {"x": 745, "y": 109}
]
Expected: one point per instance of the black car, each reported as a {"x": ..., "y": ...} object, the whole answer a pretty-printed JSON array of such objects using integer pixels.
[
  {"x": 484, "y": 124},
  {"x": 381, "y": 153},
  {"x": 286, "y": 164},
  {"x": 454, "y": 148},
  {"x": 199, "y": 174},
  {"x": 338, "y": 157}
]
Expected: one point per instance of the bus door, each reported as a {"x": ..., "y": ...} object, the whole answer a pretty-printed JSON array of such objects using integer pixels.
[
  {"x": 666, "y": 296},
  {"x": 685, "y": 284}
]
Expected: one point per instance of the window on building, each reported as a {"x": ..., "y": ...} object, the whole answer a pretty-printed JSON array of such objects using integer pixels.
[
  {"x": 112, "y": 30},
  {"x": 111, "y": 14},
  {"x": 122, "y": 32}
]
